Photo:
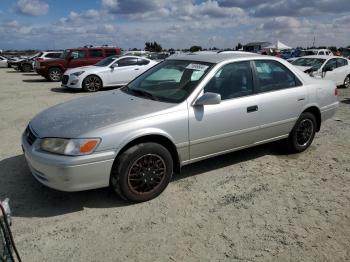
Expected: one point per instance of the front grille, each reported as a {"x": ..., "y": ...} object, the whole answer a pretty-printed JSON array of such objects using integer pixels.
[
  {"x": 30, "y": 137},
  {"x": 65, "y": 79}
]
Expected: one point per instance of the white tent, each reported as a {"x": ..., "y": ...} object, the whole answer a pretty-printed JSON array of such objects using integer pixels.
[{"x": 279, "y": 45}]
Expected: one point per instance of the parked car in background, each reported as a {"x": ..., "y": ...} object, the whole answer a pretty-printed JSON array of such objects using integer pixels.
[
  {"x": 332, "y": 68},
  {"x": 111, "y": 71},
  {"x": 47, "y": 55},
  {"x": 185, "y": 109},
  {"x": 16, "y": 64},
  {"x": 53, "y": 69},
  {"x": 302, "y": 53},
  {"x": 3, "y": 61},
  {"x": 30, "y": 64}
]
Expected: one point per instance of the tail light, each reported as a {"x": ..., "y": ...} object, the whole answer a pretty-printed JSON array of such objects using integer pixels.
[{"x": 336, "y": 91}]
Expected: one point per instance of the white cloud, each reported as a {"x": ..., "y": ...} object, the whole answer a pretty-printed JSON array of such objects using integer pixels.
[{"x": 32, "y": 7}]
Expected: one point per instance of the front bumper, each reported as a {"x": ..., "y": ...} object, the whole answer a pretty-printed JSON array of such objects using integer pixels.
[
  {"x": 71, "y": 81},
  {"x": 68, "y": 173}
]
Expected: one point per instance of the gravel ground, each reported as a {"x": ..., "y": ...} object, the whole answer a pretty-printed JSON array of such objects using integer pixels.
[{"x": 253, "y": 205}]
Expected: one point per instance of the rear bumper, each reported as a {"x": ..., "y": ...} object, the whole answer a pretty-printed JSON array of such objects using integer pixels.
[
  {"x": 67, "y": 173},
  {"x": 329, "y": 111}
]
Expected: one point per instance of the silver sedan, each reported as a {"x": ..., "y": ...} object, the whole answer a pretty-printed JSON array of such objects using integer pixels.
[{"x": 185, "y": 109}]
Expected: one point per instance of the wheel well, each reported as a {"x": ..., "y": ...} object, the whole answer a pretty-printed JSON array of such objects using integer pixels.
[
  {"x": 159, "y": 139},
  {"x": 55, "y": 67},
  {"x": 316, "y": 112}
]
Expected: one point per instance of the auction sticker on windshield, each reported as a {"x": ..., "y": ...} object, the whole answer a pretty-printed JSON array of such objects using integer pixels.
[{"x": 197, "y": 67}]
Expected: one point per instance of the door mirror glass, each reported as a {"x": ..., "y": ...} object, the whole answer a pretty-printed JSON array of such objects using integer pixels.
[
  {"x": 208, "y": 99},
  {"x": 114, "y": 65},
  {"x": 327, "y": 68}
]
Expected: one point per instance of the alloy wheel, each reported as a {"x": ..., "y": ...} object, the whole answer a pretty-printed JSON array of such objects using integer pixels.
[
  {"x": 146, "y": 174},
  {"x": 347, "y": 82},
  {"x": 93, "y": 83},
  {"x": 304, "y": 132},
  {"x": 55, "y": 75}
]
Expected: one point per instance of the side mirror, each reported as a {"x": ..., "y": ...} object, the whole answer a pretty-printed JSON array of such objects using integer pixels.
[
  {"x": 208, "y": 99},
  {"x": 327, "y": 68},
  {"x": 114, "y": 65}
]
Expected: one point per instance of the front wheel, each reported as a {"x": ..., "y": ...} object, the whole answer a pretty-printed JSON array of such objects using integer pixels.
[
  {"x": 142, "y": 172},
  {"x": 303, "y": 133},
  {"x": 347, "y": 81},
  {"x": 55, "y": 74},
  {"x": 92, "y": 83}
]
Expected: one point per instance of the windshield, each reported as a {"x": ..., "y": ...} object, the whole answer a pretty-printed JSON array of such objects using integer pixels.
[
  {"x": 169, "y": 81},
  {"x": 106, "y": 62},
  {"x": 315, "y": 63},
  {"x": 65, "y": 53}
]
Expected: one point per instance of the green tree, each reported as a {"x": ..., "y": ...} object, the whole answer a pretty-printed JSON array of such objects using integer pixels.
[
  {"x": 153, "y": 47},
  {"x": 195, "y": 48},
  {"x": 239, "y": 46}
]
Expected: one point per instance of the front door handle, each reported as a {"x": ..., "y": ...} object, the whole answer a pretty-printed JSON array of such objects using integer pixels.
[
  {"x": 136, "y": 69},
  {"x": 252, "y": 109}
]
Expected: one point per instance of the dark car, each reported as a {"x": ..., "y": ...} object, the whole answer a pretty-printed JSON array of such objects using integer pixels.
[{"x": 53, "y": 69}]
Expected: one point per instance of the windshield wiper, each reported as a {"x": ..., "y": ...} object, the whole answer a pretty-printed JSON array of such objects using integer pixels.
[{"x": 142, "y": 93}]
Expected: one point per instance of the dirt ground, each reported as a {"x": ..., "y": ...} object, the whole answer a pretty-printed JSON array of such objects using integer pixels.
[{"x": 253, "y": 205}]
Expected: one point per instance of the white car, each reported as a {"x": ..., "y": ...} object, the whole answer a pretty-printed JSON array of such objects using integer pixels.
[
  {"x": 3, "y": 61},
  {"x": 309, "y": 52},
  {"x": 328, "y": 67},
  {"x": 111, "y": 71},
  {"x": 47, "y": 55}
]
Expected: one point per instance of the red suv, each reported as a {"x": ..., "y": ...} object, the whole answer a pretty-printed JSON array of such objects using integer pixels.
[{"x": 53, "y": 69}]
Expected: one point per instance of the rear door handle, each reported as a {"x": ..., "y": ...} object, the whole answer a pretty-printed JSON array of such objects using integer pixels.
[
  {"x": 301, "y": 98},
  {"x": 252, "y": 109}
]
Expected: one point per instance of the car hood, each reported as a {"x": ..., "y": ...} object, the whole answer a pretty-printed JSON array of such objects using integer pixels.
[
  {"x": 83, "y": 68},
  {"x": 74, "y": 118}
]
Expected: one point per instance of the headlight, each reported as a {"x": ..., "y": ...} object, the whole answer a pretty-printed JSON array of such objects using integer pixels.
[
  {"x": 70, "y": 147},
  {"x": 77, "y": 73}
]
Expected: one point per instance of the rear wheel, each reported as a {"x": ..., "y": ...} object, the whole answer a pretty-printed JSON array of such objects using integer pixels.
[
  {"x": 142, "y": 172},
  {"x": 26, "y": 68},
  {"x": 55, "y": 74},
  {"x": 92, "y": 83},
  {"x": 347, "y": 81},
  {"x": 303, "y": 133}
]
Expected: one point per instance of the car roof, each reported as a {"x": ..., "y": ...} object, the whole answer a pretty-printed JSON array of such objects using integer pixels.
[
  {"x": 319, "y": 56},
  {"x": 213, "y": 58}
]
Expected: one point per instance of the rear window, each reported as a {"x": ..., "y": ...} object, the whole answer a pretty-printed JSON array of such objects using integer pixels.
[
  {"x": 53, "y": 55},
  {"x": 96, "y": 53}
]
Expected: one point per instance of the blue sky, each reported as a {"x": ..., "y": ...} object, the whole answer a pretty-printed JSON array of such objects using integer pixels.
[{"x": 52, "y": 24}]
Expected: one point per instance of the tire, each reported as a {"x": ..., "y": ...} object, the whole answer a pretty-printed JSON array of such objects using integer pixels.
[
  {"x": 92, "y": 83},
  {"x": 142, "y": 172},
  {"x": 303, "y": 133},
  {"x": 55, "y": 74},
  {"x": 26, "y": 68},
  {"x": 347, "y": 82}
]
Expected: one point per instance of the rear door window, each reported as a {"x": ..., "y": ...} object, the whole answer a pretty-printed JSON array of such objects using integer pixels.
[
  {"x": 96, "y": 53},
  {"x": 78, "y": 54},
  {"x": 127, "y": 62},
  {"x": 110, "y": 52},
  {"x": 141, "y": 61},
  {"x": 272, "y": 75}
]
